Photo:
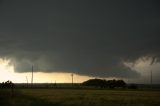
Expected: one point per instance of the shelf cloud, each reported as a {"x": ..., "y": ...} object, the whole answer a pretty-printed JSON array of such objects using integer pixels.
[{"x": 87, "y": 37}]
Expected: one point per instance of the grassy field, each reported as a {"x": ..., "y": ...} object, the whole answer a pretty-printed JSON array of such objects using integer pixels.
[{"x": 71, "y": 97}]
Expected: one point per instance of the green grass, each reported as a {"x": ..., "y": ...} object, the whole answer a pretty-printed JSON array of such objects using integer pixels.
[{"x": 71, "y": 97}]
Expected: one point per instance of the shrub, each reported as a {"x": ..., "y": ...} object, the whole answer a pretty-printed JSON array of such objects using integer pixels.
[{"x": 7, "y": 84}]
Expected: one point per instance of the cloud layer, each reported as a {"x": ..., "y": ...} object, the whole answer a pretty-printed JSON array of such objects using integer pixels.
[{"x": 91, "y": 38}]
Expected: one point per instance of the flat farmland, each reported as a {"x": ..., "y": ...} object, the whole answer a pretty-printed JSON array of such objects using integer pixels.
[
  {"x": 71, "y": 97},
  {"x": 78, "y": 97}
]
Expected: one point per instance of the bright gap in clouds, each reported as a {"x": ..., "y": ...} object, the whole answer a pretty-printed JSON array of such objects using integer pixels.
[
  {"x": 7, "y": 73},
  {"x": 144, "y": 67}
]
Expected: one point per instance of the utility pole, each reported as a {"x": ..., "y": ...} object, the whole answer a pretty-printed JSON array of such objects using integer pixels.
[
  {"x": 27, "y": 81},
  {"x": 151, "y": 78},
  {"x": 72, "y": 78},
  {"x": 32, "y": 76}
]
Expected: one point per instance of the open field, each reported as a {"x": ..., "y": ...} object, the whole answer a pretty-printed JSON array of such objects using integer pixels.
[{"x": 73, "y": 97}]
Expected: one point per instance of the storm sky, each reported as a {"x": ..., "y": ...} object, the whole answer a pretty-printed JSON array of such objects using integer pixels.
[{"x": 87, "y": 37}]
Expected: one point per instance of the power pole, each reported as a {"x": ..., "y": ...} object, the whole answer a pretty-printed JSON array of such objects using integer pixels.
[
  {"x": 151, "y": 79},
  {"x": 72, "y": 78},
  {"x": 32, "y": 76},
  {"x": 27, "y": 80}
]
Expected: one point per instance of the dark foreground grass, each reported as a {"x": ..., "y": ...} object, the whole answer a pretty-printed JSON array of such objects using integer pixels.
[
  {"x": 19, "y": 99},
  {"x": 72, "y": 97}
]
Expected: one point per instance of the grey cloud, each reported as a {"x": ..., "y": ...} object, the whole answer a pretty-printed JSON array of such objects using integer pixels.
[{"x": 86, "y": 37}]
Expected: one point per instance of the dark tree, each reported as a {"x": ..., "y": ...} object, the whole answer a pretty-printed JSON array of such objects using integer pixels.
[
  {"x": 7, "y": 84},
  {"x": 120, "y": 83},
  {"x": 111, "y": 83},
  {"x": 103, "y": 83},
  {"x": 95, "y": 83},
  {"x": 132, "y": 86}
]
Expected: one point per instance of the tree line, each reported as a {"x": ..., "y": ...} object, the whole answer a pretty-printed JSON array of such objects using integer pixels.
[{"x": 105, "y": 83}]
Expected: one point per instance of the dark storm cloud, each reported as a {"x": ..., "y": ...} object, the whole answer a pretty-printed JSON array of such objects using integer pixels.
[{"x": 86, "y": 37}]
